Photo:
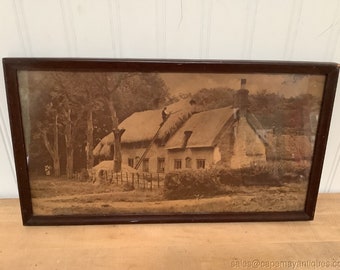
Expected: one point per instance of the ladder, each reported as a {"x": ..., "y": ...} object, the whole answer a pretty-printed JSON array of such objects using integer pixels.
[{"x": 149, "y": 147}]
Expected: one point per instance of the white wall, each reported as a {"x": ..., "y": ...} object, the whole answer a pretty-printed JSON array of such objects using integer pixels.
[{"x": 216, "y": 29}]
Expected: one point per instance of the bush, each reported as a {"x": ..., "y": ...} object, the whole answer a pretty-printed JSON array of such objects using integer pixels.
[
  {"x": 252, "y": 176},
  {"x": 192, "y": 184},
  {"x": 208, "y": 183},
  {"x": 269, "y": 174}
]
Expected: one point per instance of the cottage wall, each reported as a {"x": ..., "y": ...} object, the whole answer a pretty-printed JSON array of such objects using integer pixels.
[
  {"x": 154, "y": 155},
  {"x": 225, "y": 147},
  {"x": 238, "y": 146},
  {"x": 191, "y": 158},
  {"x": 248, "y": 149}
]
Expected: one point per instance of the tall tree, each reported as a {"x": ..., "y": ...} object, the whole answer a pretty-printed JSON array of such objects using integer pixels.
[
  {"x": 53, "y": 149},
  {"x": 125, "y": 93},
  {"x": 111, "y": 83},
  {"x": 91, "y": 101},
  {"x": 64, "y": 92},
  {"x": 43, "y": 116},
  {"x": 74, "y": 101},
  {"x": 51, "y": 122}
]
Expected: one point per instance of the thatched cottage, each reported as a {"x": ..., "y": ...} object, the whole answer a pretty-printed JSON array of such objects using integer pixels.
[
  {"x": 145, "y": 136},
  {"x": 219, "y": 136},
  {"x": 228, "y": 136}
]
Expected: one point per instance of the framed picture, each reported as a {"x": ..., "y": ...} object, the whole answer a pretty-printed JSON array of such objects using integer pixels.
[{"x": 145, "y": 141}]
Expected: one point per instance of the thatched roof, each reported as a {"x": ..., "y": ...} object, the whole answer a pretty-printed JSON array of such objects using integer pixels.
[
  {"x": 289, "y": 147},
  {"x": 142, "y": 126},
  {"x": 257, "y": 127},
  {"x": 205, "y": 128},
  {"x": 179, "y": 113},
  {"x": 103, "y": 148}
]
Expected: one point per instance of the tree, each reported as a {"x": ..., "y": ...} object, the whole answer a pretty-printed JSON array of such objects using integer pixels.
[
  {"x": 79, "y": 97},
  {"x": 125, "y": 93},
  {"x": 91, "y": 100},
  {"x": 89, "y": 140},
  {"x": 213, "y": 98},
  {"x": 53, "y": 149},
  {"x": 59, "y": 94},
  {"x": 71, "y": 102},
  {"x": 110, "y": 83},
  {"x": 65, "y": 94},
  {"x": 44, "y": 122}
]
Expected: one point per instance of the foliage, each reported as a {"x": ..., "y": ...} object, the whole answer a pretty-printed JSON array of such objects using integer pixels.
[
  {"x": 284, "y": 115},
  {"x": 213, "y": 98},
  {"x": 82, "y": 102},
  {"x": 220, "y": 180},
  {"x": 268, "y": 174},
  {"x": 192, "y": 184},
  {"x": 140, "y": 92}
]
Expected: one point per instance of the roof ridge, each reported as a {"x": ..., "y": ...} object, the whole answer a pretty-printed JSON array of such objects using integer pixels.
[{"x": 213, "y": 120}]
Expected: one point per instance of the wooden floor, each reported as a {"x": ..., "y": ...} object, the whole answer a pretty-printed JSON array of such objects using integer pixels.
[{"x": 280, "y": 245}]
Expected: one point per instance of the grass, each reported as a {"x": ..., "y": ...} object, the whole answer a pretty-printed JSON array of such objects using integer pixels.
[{"x": 59, "y": 196}]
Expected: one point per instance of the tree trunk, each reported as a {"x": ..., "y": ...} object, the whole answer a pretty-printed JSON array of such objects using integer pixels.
[
  {"x": 117, "y": 155},
  {"x": 117, "y": 133},
  {"x": 89, "y": 140},
  {"x": 56, "y": 166},
  {"x": 69, "y": 163},
  {"x": 56, "y": 160},
  {"x": 69, "y": 144},
  {"x": 53, "y": 151}
]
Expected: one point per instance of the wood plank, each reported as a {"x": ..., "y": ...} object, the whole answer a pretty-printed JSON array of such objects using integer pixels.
[
  {"x": 89, "y": 28},
  {"x": 44, "y": 34},
  {"x": 225, "y": 41},
  {"x": 137, "y": 28},
  {"x": 314, "y": 31},
  {"x": 183, "y": 29},
  {"x": 273, "y": 29},
  {"x": 173, "y": 246}
]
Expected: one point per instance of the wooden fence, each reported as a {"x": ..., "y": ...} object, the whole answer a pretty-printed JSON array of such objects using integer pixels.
[{"x": 146, "y": 181}]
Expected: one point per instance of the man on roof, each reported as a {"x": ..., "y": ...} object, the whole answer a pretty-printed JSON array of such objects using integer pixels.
[{"x": 165, "y": 114}]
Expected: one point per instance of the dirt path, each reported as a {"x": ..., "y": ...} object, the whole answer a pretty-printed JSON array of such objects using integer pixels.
[
  {"x": 79, "y": 198},
  {"x": 97, "y": 204}
]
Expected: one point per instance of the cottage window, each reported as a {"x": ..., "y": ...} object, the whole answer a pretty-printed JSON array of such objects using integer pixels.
[
  {"x": 200, "y": 163},
  {"x": 145, "y": 165},
  {"x": 188, "y": 163},
  {"x": 161, "y": 165},
  {"x": 131, "y": 162},
  {"x": 178, "y": 164}
]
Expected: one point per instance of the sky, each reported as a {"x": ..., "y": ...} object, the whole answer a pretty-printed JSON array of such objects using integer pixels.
[{"x": 288, "y": 85}]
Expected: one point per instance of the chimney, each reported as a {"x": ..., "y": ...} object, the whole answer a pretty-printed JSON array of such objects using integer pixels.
[
  {"x": 243, "y": 83},
  {"x": 241, "y": 98},
  {"x": 187, "y": 135}
]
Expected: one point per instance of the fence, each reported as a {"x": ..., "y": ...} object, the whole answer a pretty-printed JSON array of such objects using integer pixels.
[{"x": 145, "y": 181}]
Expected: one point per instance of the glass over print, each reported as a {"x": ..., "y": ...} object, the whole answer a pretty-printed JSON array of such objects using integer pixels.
[{"x": 129, "y": 142}]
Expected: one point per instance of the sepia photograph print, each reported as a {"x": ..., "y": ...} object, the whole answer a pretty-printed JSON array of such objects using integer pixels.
[{"x": 140, "y": 142}]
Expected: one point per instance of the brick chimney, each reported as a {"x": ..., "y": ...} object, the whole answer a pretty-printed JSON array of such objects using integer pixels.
[
  {"x": 243, "y": 83},
  {"x": 241, "y": 99}
]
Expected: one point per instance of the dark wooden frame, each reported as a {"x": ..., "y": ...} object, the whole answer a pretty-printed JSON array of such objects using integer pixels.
[{"x": 13, "y": 65}]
